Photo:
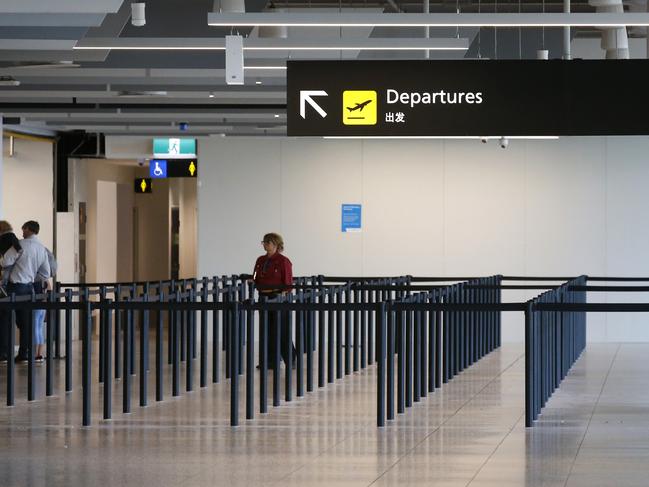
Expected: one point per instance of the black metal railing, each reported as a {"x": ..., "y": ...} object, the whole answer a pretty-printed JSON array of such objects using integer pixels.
[
  {"x": 422, "y": 331},
  {"x": 554, "y": 340},
  {"x": 435, "y": 335}
]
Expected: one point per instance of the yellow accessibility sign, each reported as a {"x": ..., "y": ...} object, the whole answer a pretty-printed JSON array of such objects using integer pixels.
[{"x": 359, "y": 107}]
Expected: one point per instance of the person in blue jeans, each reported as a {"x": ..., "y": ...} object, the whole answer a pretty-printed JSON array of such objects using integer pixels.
[{"x": 30, "y": 231}]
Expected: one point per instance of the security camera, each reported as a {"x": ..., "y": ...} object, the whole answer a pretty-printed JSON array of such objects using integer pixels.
[
  {"x": 183, "y": 126},
  {"x": 141, "y": 162},
  {"x": 504, "y": 142},
  {"x": 138, "y": 18},
  {"x": 484, "y": 140}
]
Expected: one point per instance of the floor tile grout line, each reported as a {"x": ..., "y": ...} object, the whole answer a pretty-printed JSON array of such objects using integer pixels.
[
  {"x": 520, "y": 418},
  {"x": 447, "y": 419},
  {"x": 601, "y": 391}
]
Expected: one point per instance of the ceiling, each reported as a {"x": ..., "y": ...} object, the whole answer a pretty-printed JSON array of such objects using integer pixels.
[{"x": 114, "y": 92}]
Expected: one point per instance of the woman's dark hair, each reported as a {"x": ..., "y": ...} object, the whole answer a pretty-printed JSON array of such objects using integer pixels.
[{"x": 8, "y": 240}]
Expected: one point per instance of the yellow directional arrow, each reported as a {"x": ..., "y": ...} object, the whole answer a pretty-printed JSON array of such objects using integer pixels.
[
  {"x": 143, "y": 185},
  {"x": 192, "y": 168}
]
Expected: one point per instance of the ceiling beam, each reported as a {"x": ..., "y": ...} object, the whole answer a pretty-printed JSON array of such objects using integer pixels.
[
  {"x": 427, "y": 20},
  {"x": 51, "y": 20},
  {"x": 52, "y": 56},
  {"x": 37, "y": 44},
  {"x": 60, "y": 6}
]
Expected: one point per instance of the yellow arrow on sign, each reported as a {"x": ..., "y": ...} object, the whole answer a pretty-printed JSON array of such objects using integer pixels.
[
  {"x": 143, "y": 185},
  {"x": 192, "y": 168}
]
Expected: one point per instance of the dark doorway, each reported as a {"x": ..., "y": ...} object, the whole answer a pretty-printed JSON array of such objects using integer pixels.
[{"x": 175, "y": 242}]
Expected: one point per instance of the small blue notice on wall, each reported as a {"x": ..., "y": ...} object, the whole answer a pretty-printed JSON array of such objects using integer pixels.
[{"x": 351, "y": 218}]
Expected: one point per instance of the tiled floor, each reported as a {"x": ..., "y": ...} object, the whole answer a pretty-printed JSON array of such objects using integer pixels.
[{"x": 594, "y": 432}]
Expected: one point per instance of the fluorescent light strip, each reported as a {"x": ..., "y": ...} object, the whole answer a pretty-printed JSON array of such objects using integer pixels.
[
  {"x": 218, "y": 44},
  {"x": 265, "y": 67},
  {"x": 279, "y": 19},
  {"x": 452, "y": 137},
  {"x": 356, "y": 48},
  {"x": 270, "y": 48}
]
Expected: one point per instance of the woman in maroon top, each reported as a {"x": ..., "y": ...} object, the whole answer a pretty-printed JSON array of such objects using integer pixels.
[{"x": 275, "y": 269}]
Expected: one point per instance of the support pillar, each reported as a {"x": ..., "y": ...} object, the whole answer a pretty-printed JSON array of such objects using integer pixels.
[
  {"x": 567, "y": 53},
  {"x": 426, "y": 29},
  {"x": 1, "y": 168}
]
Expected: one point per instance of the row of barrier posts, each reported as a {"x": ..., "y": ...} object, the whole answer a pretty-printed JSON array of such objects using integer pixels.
[
  {"x": 555, "y": 337},
  {"x": 112, "y": 301},
  {"x": 434, "y": 335},
  {"x": 335, "y": 321},
  {"x": 129, "y": 313},
  {"x": 421, "y": 335}
]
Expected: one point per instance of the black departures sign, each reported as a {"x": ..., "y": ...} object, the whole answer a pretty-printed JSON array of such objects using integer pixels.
[
  {"x": 468, "y": 98},
  {"x": 143, "y": 186}
]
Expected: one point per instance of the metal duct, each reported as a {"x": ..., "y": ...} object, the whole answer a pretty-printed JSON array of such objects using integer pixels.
[{"x": 614, "y": 39}]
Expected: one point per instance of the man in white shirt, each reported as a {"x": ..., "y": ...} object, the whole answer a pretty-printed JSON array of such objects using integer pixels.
[
  {"x": 30, "y": 230},
  {"x": 23, "y": 269}
]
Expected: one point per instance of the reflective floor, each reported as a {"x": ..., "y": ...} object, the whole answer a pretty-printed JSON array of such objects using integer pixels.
[{"x": 594, "y": 432}]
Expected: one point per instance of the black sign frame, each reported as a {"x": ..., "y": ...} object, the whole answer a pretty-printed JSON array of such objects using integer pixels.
[
  {"x": 137, "y": 185},
  {"x": 519, "y": 97}
]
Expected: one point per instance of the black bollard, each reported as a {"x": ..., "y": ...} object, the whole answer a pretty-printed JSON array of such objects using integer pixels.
[
  {"x": 108, "y": 384},
  {"x": 68, "y": 342},
  {"x": 250, "y": 362},
  {"x": 159, "y": 357}
]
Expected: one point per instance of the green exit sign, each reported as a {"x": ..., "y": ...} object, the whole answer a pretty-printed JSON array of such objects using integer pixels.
[{"x": 174, "y": 148}]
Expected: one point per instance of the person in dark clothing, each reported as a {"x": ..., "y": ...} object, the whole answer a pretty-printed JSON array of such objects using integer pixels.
[
  {"x": 8, "y": 240},
  {"x": 21, "y": 269},
  {"x": 275, "y": 269}
]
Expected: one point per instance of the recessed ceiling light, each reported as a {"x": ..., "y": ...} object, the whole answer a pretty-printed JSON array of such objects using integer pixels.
[
  {"x": 258, "y": 82},
  {"x": 211, "y": 95},
  {"x": 137, "y": 94},
  {"x": 265, "y": 67},
  {"x": 276, "y": 115}
]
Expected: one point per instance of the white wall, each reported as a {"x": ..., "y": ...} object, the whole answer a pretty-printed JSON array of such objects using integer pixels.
[
  {"x": 152, "y": 235},
  {"x": 106, "y": 249},
  {"x": 87, "y": 174},
  {"x": 27, "y": 189},
  {"x": 438, "y": 208}
]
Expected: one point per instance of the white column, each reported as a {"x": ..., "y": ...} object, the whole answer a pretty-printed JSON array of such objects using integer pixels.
[
  {"x": 1, "y": 168},
  {"x": 427, "y": 29},
  {"x": 567, "y": 53}
]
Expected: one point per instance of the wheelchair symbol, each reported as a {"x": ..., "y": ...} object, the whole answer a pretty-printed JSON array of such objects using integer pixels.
[{"x": 158, "y": 168}]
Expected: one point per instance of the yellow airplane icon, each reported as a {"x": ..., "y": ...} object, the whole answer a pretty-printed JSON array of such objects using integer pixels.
[{"x": 359, "y": 107}]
